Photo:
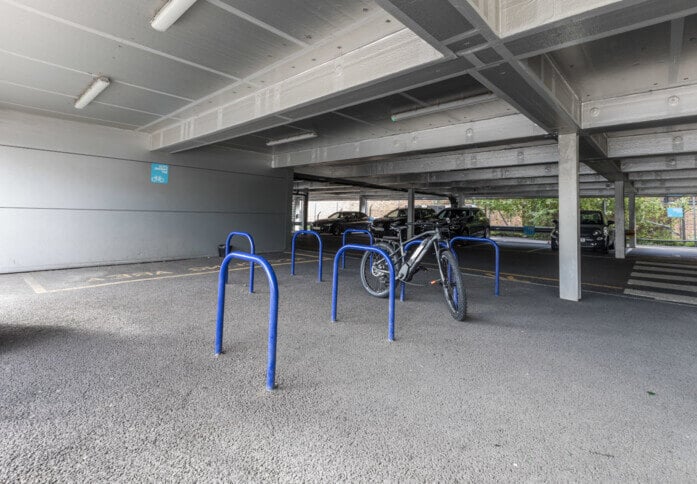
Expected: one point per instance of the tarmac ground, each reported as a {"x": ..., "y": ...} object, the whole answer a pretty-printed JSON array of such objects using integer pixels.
[{"x": 108, "y": 374}]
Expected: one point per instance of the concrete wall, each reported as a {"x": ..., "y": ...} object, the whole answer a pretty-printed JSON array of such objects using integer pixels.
[{"x": 74, "y": 194}]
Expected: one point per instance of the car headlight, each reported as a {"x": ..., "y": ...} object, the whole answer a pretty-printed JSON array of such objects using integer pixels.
[{"x": 597, "y": 233}]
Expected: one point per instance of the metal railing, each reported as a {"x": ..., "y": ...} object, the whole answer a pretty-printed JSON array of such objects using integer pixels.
[
  {"x": 251, "y": 251},
  {"x": 343, "y": 241},
  {"x": 390, "y": 265},
  {"x": 497, "y": 256},
  {"x": 292, "y": 251},
  {"x": 273, "y": 310}
]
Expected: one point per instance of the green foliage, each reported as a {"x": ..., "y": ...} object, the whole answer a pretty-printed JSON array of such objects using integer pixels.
[{"x": 652, "y": 221}]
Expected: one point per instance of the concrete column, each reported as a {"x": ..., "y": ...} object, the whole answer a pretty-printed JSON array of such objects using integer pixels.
[
  {"x": 620, "y": 234},
  {"x": 631, "y": 208},
  {"x": 363, "y": 204},
  {"x": 569, "y": 219},
  {"x": 306, "y": 209},
  {"x": 410, "y": 213}
]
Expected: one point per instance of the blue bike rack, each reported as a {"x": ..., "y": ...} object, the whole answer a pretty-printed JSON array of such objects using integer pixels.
[
  {"x": 273, "y": 310},
  {"x": 292, "y": 252},
  {"x": 390, "y": 265},
  {"x": 343, "y": 241},
  {"x": 251, "y": 251},
  {"x": 442, "y": 243},
  {"x": 497, "y": 255}
]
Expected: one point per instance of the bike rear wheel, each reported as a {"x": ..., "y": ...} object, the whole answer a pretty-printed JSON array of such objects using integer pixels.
[
  {"x": 453, "y": 287},
  {"x": 375, "y": 274}
]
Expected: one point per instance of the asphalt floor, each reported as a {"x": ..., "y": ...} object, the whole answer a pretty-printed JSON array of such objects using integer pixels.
[{"x": 108, "y": 374}]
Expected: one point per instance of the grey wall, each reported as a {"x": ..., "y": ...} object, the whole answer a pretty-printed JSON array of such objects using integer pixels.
[{"x": 73, "y": 194}]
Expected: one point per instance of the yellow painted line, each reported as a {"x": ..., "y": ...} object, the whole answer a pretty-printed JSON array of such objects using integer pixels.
[
  {"x": 508, "y": 275},
  {"x": 174, "y": 276},
  {"x": 34, "y": 284}
]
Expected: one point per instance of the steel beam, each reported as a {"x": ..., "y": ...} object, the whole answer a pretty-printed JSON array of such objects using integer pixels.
[
  {"x": 611, "y": 20},
  {"x": 479, "y": 174},
  {"x": 663, "y": 175},
  {"x": 652, "y": 144},
  {"x": 497, "y": 130},
  {"x": 666, "y": 106},
  {"x": 386, "y": 57},
  {"x": 659, "y": 164},
  {"x": 452, "y": 160}
]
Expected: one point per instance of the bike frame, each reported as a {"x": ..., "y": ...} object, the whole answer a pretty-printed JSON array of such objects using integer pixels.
[{"x": 408, "y": 267}]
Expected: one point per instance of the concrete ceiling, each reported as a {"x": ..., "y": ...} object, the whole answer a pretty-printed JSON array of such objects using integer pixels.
[{"x": 623, "y": 74}]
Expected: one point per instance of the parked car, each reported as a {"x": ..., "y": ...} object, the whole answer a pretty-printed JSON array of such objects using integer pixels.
[
  {"x": 337, "y": 222},
  {"x": 467, "y": 221},
  {"x": 597, "y": 232},
  {"x": 384, "y": 226}
]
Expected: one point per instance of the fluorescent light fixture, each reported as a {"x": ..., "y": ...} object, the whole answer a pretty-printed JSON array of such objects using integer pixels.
[
  {"x": 437, "y": 108},
  {"x": 170, "y": 13},
  {"x": 291, "y": 139},
  {"x": 97, "y": 86}
]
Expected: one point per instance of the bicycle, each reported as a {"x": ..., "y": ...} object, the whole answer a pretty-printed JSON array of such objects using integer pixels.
[{"x": 375, "y": 274}]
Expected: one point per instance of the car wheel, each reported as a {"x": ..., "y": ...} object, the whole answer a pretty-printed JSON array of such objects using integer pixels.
[
  {"x": 336, "y": 230},
  {"x": 555, "y": 244}
]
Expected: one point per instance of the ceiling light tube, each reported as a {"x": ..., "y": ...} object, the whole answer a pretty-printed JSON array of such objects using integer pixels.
[
  {"x": 437, "y": 108},
  {"x": 291, "y": 139},
  {"x": 97, "y": 86},
  {"x": 170, "y": 13}
]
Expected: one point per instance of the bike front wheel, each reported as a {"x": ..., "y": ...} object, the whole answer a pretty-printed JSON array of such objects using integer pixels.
[
  {"x": 375, "y": 274},
  {"x": 453, "y": 287}
]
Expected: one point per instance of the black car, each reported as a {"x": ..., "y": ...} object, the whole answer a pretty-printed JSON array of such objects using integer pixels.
[
  {"x": 337, "y": 222},
  {"x": 467, "y": 221},
  {"x": 597, "y": 232},
  {"x": 384, "y": 226}
]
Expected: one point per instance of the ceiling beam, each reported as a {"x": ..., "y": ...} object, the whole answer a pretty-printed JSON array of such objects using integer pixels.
[
  {"x": 671, "y": 105},
  {"x": 496, "y": 130},
  {"x": 651, "y": 144},
  {"x": 386, "y": 57},
  {"x": 659, "y": 164},
  {"x": 612, "y": 19},
  {"x": 451, "y": 160},
  {"x": 479, "y": 174}
]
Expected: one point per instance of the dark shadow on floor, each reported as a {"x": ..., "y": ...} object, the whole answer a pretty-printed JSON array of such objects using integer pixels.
[{"x": 17, "y": 336}]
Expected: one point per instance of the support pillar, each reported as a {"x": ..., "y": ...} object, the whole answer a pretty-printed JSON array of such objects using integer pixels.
[
  {"x": 363, "y": 204},
  {"x": 569, "y": 219},
  {"x": 620, "y": 234},
  {"x": 631, "y": 208},
  {"x": 410, "y": 213}
]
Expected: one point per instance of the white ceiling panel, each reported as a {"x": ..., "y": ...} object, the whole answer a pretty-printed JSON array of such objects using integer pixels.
[
  {"x": 135, "y": 98},
  {"x": 206, "y": 34},
  {"x": 40, "y": 38},
  {"x": 306, "y": 20},
  {"x": 63, "y": 104},
  {"x": 53, "y": 78},
  {"x": 54, "y": 114},
  {"x": 35, "y": 74},
  {"x": 629, "y": 63}
]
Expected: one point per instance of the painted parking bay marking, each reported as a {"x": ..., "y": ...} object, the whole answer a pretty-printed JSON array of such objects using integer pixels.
[
  {"x": 127, "y": 278},
  {"x": 648, "y": 279}
]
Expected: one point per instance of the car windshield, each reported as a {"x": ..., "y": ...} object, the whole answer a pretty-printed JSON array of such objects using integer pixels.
[
  {"x": 591, "y": 218},
  {"x": 334, "y": 216},
  {"x": 396, "y": 213}
]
